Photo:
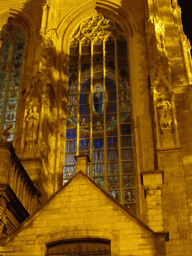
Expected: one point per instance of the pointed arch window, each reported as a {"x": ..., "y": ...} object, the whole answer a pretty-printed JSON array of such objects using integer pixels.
[
  {"x": 11, "y": 61},
  {"x": 98, "y": 112}
]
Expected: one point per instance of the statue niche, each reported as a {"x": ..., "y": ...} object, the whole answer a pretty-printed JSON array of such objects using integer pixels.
[
  {"x": 164, "y": 112},
  {"x": 32, "y": 125}
]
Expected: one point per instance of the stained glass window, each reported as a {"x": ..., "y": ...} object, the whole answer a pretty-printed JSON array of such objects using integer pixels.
[
  {"x": 11, "y": 60},
  {"x": 98, "y": 112}
]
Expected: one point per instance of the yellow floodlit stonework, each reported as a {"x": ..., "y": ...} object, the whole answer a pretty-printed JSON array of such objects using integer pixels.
[{"x": 95, "y": 127}]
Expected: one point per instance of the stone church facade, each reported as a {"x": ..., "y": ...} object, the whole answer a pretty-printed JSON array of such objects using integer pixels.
[{"x": 95, "y": 126}]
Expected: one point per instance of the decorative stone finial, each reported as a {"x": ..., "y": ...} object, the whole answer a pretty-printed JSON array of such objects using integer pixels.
[{"x": 82, "y": 161}]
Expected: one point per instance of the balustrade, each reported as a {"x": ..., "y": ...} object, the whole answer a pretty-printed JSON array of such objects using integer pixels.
[{"x": 17, "y": 179}]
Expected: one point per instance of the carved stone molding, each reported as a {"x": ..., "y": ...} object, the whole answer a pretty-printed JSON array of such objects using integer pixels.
[
  {"x": 3, "y": 220},
  {"x": 161, "y": 72}
]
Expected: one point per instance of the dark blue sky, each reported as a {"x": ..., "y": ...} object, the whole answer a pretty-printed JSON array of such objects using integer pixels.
[{"x": 186, "y": 8}]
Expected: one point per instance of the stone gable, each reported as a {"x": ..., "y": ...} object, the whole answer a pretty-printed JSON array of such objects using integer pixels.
[{"x": 81, "y": 209}]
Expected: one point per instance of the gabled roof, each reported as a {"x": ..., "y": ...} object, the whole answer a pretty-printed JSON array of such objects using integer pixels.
[{"x": 78, "y": 175}]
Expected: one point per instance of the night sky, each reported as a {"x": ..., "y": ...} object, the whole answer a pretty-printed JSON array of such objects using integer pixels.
[{"x": 186, "y": 15}]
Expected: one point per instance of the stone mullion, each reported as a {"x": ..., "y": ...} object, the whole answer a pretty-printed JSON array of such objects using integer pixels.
[
  {"x": 91, "y": 112},
  {"x": 78, "y": 100},
  {"x": 105, "y": 102},
  {"x": 118, "y": 125}
]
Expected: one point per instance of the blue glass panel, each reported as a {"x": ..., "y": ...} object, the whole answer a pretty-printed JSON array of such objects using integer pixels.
[
  {"x": 84, "y": 98},
  {"x": 126, "y": 141},
  {"x": 98, "y": 170},
  {"x": 126, "y": 129},
  {"x": 128, "y": 181},
  {"x": 100, "y": 181},
  {"x": 127, "y": 154},
  {"x": 71, "y": 134},
  {"x": 70, "y": 146},
  {"x": 127, "y": 167},
  {"x": 114, "y": 194},
  {"x": 70, "y": 159},
  {"x": 69, "y": 171},
  {"x": 112, "y": 142},
  {"x": 111, "y": 107},
  {"x": 112, "y": 168},
  {"x": 84, "y": 145},
  {"x": 112, "y": 155},
  {"x": 98, "y": 156},
  {"x": 113, "y": 182},
  {"x": 84, "y": 109},
  {"x": 128, "y": 195},
  {"x": 85, "y": 87},
  {"x": 98, "y": 144}
]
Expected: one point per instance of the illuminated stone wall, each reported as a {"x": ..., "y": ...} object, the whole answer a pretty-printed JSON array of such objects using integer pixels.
[{"x": 160, "y": 84}]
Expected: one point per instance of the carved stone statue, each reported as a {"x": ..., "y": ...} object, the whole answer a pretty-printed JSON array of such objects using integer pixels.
[
  {"x": 164, "y": 112},
  {"x": 32, "y": 124}
]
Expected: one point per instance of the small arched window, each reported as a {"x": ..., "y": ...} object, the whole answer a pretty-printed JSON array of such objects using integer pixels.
[
  {"x": 80, "y": 247},
  {"x": 98, "y": 114},
  {"x": 11, "y": 61}
]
